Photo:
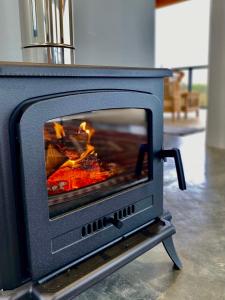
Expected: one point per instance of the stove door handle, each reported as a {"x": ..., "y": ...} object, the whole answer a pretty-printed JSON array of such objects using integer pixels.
[{"x": 175, "y": 153}]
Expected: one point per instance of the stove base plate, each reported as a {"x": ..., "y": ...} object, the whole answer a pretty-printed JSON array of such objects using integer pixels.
[{"x": 81, "y": 276}]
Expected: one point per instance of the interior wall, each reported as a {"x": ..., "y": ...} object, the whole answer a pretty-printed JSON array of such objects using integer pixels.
[
  {"x": 216, "y": 105},
  {"x": 115, "y": 32},
  {"x": 10, "y": 40},
  {"x": 107, "y": 32}
]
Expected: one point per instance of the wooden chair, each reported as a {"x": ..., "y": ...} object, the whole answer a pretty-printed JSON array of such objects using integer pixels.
[
  {"x": 191, "y": 102},
  {"x": 172, "y": 94},
  {"x": 176, "y": 100}
]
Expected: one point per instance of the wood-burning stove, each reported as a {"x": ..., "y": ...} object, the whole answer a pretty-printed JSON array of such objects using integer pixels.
[{"x": 81, "y": 173}]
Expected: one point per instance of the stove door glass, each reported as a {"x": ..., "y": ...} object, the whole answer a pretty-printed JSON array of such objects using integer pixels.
[{"x": 93, "y": 155}]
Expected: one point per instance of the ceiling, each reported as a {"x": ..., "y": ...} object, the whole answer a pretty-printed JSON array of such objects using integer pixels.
[{"x": 163, "y": 3}]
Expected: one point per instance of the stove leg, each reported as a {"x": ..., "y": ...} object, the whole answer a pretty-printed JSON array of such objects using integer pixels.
[{"x": 171, "y": 251}]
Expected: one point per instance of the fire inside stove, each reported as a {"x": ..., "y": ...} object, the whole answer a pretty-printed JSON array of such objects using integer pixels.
[
  {"x": 93, "y": 155},
  {"x": 78, "y": 160}
]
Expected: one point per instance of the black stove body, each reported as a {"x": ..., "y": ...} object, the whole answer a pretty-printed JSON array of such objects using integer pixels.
[{"x": 81, "y": 170}]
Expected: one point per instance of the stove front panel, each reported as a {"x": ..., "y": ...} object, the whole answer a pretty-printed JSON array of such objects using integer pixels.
[
  {"x": 93, "y": 155},
  {"x": 88, "y": 161}
]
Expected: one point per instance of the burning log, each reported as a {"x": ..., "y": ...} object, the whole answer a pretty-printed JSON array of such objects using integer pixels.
[
  {"x": 54, "y": 159},
  {"x": 71, "y": 160}
]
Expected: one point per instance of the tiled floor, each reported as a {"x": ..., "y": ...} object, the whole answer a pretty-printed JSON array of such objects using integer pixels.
[{"x": 199, "y": 215}]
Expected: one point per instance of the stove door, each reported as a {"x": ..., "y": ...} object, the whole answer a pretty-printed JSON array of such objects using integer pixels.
[
  {"x": 89, "y": 172},
  {"x": 96, "y": 154}
]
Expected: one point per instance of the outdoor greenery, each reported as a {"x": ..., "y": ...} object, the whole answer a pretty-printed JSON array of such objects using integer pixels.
[{"x": 202, "y": 90}]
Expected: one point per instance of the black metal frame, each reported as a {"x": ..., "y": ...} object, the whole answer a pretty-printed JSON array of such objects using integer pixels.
[
  {"x": 190, "y": 70},
  {"x": 26, "y": 92},
  {"x": 55, "y": 243}
]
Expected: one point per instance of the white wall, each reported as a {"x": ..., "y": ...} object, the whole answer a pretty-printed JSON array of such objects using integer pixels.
[
  {"x": 114, "y": 32},
  {"x": 107, "y": 32},
  {"x": 182, "y": 40},
  {"x": 10, "y": 40},
  {"x": 216, "y": 107}
]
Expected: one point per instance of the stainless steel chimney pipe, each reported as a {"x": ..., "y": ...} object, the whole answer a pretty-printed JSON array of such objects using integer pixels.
[{"x": 47, "y": 31}]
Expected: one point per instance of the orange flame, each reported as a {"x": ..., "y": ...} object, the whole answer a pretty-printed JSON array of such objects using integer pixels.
[
  {"x": 59, "y": 130},
  {"x": 89, "y": 148},
  {"x": 88, "y": 129},
  {"x": 80, "y": 172}
]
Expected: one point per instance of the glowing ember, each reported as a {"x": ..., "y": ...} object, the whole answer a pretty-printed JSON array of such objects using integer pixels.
[
  {"x": 71, "y": 160},
  {"x": 68, "y": 179}
]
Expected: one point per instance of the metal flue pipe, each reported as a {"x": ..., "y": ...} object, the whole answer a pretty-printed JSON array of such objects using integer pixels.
[{"x": 47, "y": 31}]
